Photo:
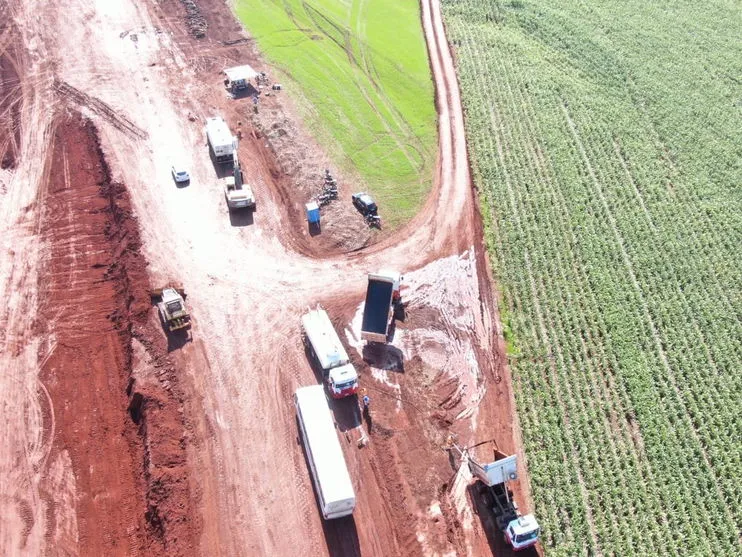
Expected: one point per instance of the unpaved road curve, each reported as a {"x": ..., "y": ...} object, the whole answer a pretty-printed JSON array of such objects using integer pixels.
[{"x": 247, "y": 290}]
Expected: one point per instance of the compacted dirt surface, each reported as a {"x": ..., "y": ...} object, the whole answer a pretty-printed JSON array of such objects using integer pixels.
[{"x": 119, "y": 439}]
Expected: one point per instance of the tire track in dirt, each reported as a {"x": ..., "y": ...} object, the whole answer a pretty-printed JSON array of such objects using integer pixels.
[{"x": 94, "y": 304}]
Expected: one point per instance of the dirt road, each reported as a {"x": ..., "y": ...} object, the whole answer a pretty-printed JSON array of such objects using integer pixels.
[{"x": 208, "y": 424}]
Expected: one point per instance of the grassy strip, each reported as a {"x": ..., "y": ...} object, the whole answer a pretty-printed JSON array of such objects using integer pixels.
[{"x": 360, "y": 71}]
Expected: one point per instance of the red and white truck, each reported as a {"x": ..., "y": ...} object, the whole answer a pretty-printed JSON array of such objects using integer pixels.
[{"x": 328, "y": 352}]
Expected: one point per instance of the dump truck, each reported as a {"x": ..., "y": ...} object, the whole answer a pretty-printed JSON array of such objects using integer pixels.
[
  {"x": 382, "y": 295},
  {"x": 324, "y": 453},
  {"x": 329, "y": 354},
  {"x": 238, "y": 194},
  {"x": 221, "y": 141},
  {"x": 171, "y": 307},
  {"x": 494, "y": 469}
]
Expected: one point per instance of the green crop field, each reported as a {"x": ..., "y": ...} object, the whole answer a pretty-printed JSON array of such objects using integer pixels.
[
  {"x": 360, "y": 69},
  {"x": 606, "y": 138}
]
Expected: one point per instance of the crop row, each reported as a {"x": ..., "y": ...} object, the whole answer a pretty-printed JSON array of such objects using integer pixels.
[{"x": 617, "y": 278}]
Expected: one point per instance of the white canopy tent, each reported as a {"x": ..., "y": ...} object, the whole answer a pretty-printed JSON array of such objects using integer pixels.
[{"x": 241, "y": 74}]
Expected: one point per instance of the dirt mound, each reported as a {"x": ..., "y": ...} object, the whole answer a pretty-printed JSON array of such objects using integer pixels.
[{"x": 132, "y": 493}]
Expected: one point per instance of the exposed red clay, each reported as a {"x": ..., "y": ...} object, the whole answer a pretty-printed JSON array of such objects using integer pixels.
[{"x": 132, "y": 487}]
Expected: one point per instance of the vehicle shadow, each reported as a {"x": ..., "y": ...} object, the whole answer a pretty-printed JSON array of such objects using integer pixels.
[
  {"x": 181, "y": 185},
  {"x": 247, "y": 92},
  {"x": 241, "y": 217},
  {"x": 222, "y": 169},
  {"x": 341, "y": 534},
  {"x": 314, "y": 228},
  {"x": 178, "y": 339},
  {"x": 495, "y": 538},
  {"x": 346, "y": 412},
  {"x": 384, "y": 356}
]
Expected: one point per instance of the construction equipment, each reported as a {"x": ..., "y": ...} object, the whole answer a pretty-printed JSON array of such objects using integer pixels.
[
  {"x": 382, "y": 295},
  {"x": 320, "y": 336},
  {"x": 494, "y": 472},
  {"x": 171, "y": 307},
  {"x": 221, "y": 141},
  {"x": 238, "y": 194}
]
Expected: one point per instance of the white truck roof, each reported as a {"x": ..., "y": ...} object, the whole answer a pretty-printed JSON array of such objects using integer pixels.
[
  {"x": 324, "y": 340},
  {"x": 331, "y": 472},
  {"x": 238, "y": 73},
  {"x": 524, "y": 524},
  {"x": 218, "y": 132},
  {"x": 385, "y": 274},
  {"x": 343, "y": 374}
]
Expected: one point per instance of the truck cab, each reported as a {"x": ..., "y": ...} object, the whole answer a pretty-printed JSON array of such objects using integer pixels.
[
  {"x": 522, "y": 532},
  {"x": 329, "y": 354},
  {"x": 342, "y": 381}
]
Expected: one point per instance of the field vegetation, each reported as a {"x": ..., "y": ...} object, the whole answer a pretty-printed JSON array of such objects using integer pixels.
[
  {"x": 360, "y": 70},
  {"x": 606, "y": 139}
]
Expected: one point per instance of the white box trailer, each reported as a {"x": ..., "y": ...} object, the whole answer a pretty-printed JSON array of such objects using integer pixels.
[
  {"x": 221, "y": 141},
  {"x": 325, "y": 456},
  {"x": 340, "y": 375}
]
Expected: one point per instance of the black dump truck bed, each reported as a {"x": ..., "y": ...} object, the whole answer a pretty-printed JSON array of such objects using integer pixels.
[{"x": 376, "y": 310}]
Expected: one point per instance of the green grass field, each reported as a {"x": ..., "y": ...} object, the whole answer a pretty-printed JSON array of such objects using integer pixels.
[
  {"x": 606, "y": 138},
  {"x": 360, "y": 71}
]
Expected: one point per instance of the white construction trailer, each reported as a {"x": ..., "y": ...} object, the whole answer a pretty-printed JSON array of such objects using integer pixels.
[
  {"x": 221, "y": 141},
  {"x": 324, "y": 454}
]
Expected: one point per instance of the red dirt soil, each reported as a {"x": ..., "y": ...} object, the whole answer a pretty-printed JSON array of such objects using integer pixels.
[
  {"x": 10, "y": 100},
  {"x": 132, "y": 487}
]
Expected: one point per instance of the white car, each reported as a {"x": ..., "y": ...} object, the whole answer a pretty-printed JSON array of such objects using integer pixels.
[{"x": 180, "y": 174}]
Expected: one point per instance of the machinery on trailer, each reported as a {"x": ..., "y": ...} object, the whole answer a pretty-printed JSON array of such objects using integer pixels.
[
  {"x": 221, "y": 141},
  {"x": 171, "y": 307},
  {"x": 320, "y": 336},
  {"x": 382, "y": 296},
  {"x": 494, "y": 470},
  {"x": 238, "y": 194}
]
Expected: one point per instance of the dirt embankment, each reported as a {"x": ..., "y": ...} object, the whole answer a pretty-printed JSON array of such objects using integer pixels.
[
  {"x": 125, "y": 442},
  {"x": 10, "y": 99}
]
